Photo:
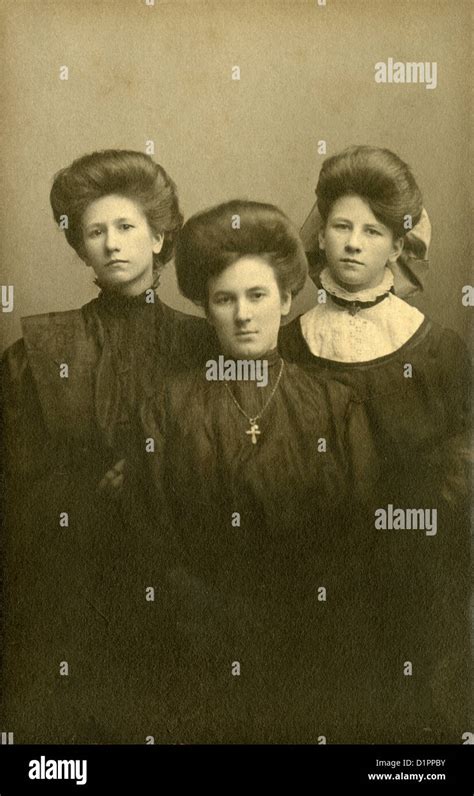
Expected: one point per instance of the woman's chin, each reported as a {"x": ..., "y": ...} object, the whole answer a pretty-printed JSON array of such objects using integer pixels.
[
  {"x": 119, "y": 278},
  {"x": 247, "y": 352},
  {"x": 114, "y": 282},
  {"x": 349, "y": 276},
  {"x": 351, "y": 282}
]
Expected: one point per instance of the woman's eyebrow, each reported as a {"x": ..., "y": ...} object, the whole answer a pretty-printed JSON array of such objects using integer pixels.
[
  {"x": 376, "y": 224},
  {"x": 115, "y": 221},
  {"x": 234, "y": 293}
]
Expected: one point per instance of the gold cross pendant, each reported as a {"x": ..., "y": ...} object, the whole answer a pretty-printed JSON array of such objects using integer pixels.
[{"x": 253, "y": 431}]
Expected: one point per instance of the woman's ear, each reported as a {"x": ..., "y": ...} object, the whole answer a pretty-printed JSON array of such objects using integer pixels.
[
  {"x": 396, "y": 250},
  {"x": 321, "y": 241},
  {"x": 285, "y": 303},
  {"x": 158, "y": 244}
]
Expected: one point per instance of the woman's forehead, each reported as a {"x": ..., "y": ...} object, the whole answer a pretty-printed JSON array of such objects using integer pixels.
[
  {"x": 246, "y": 273},
  {"x": 353, "y": 206},
  {"x": 111, "y": 207}
]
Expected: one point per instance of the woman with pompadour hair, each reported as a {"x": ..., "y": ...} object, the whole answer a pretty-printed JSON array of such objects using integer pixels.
[
  {"x": 118, "y": 172},
  {"x": 216, "y": 237},
  {"x": 253, "y": 459},
  {"x": 75, "y": 562},
  {"x": 370, "y": 241},
  {"x": 119, "y": 211}
]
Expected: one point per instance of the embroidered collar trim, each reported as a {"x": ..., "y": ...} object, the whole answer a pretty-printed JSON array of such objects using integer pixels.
[{"x": 371, "y": 294}]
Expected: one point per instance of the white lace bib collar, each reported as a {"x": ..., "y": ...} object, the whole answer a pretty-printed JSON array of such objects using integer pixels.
[{"x": 331, "y": 332}]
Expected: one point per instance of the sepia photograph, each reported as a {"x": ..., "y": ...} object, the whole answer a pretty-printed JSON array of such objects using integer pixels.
[{"x": 236, "y": 335}]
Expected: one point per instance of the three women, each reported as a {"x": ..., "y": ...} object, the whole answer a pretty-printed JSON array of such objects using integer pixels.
[{"x": 282, "y": 615}]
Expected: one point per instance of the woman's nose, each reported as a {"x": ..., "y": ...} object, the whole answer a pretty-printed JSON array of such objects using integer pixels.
[
  {"x": 111, "y": 240},
  {"x": 353, "y": 241},
  {"x": 243, "y": 311}
]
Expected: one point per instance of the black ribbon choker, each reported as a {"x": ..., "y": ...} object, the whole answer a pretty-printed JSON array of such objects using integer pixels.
[{"x": 355, "y": 306}]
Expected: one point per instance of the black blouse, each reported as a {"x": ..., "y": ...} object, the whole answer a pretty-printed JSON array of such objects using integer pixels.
[
  {"x": 422, "y": 418},
  {"x": 76, "y": 592},
  {"x": 257, "y": 530},
  {"x": 419, "y": 431},
  {"x": 118, "y": 350}
]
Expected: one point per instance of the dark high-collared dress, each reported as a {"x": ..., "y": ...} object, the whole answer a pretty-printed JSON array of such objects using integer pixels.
[
  {"x": 419, "y": 431},
  {"x": 276, "y": 634},
  {"x": 78, "y": 622}
]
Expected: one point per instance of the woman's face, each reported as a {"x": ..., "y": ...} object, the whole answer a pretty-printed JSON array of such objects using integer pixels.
[
  {"x": 357, "y": 245},
  {"x": 245, "y": 307},
  {"x": 119, "y": 244}
]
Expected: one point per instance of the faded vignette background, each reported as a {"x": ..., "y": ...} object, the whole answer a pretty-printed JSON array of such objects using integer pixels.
[{"x": 163, "y": 73}]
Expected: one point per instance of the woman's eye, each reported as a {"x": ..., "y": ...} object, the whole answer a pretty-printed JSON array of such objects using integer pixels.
[
  {"x": 373, "y": 232},
  {"x": 257, "y": 296},
  {"x": 222, "y": 300},
  {"x": 126, "y": 226},
  {"x": 95, "y": 233},
  {"x": 340, "y": 226}
]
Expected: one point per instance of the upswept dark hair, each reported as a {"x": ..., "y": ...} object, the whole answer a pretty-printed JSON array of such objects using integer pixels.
[
  {"x": 127, "y": 173},
  {"x": 208, "y": 243},
  {"x": 379, "y": 177}
]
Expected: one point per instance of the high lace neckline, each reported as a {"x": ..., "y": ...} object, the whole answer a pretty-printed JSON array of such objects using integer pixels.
[
  {"x": 369, "y": 294},
  {"x": 377, "y": 330}
]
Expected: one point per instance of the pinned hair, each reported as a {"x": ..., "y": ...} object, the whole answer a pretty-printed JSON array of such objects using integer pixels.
[
  {"x": 215, "y": 238},
  {"x": 380, "y": 178},
  {"x": 127, "y": 173}
]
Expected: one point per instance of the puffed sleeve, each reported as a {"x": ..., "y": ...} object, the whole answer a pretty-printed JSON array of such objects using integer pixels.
[
  {"x": 447, "y": 462},
  {"x": 186, "y": 341},
  {"x": 455, "y": 379},
  {"x": 152, "y": 461},
  {"x": 189, "y": 597},
  {"x": 24, "y": 434}
]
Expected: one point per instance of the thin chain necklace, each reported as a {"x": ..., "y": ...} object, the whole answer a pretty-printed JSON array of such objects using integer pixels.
[{"x": 254, "y": 429}]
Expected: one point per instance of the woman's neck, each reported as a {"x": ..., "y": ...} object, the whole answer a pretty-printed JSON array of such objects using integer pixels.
[
  {"x": 126, "y": 291},
  {"x": 270, "y": 356},
  {"x": 333, "y": 287}
]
